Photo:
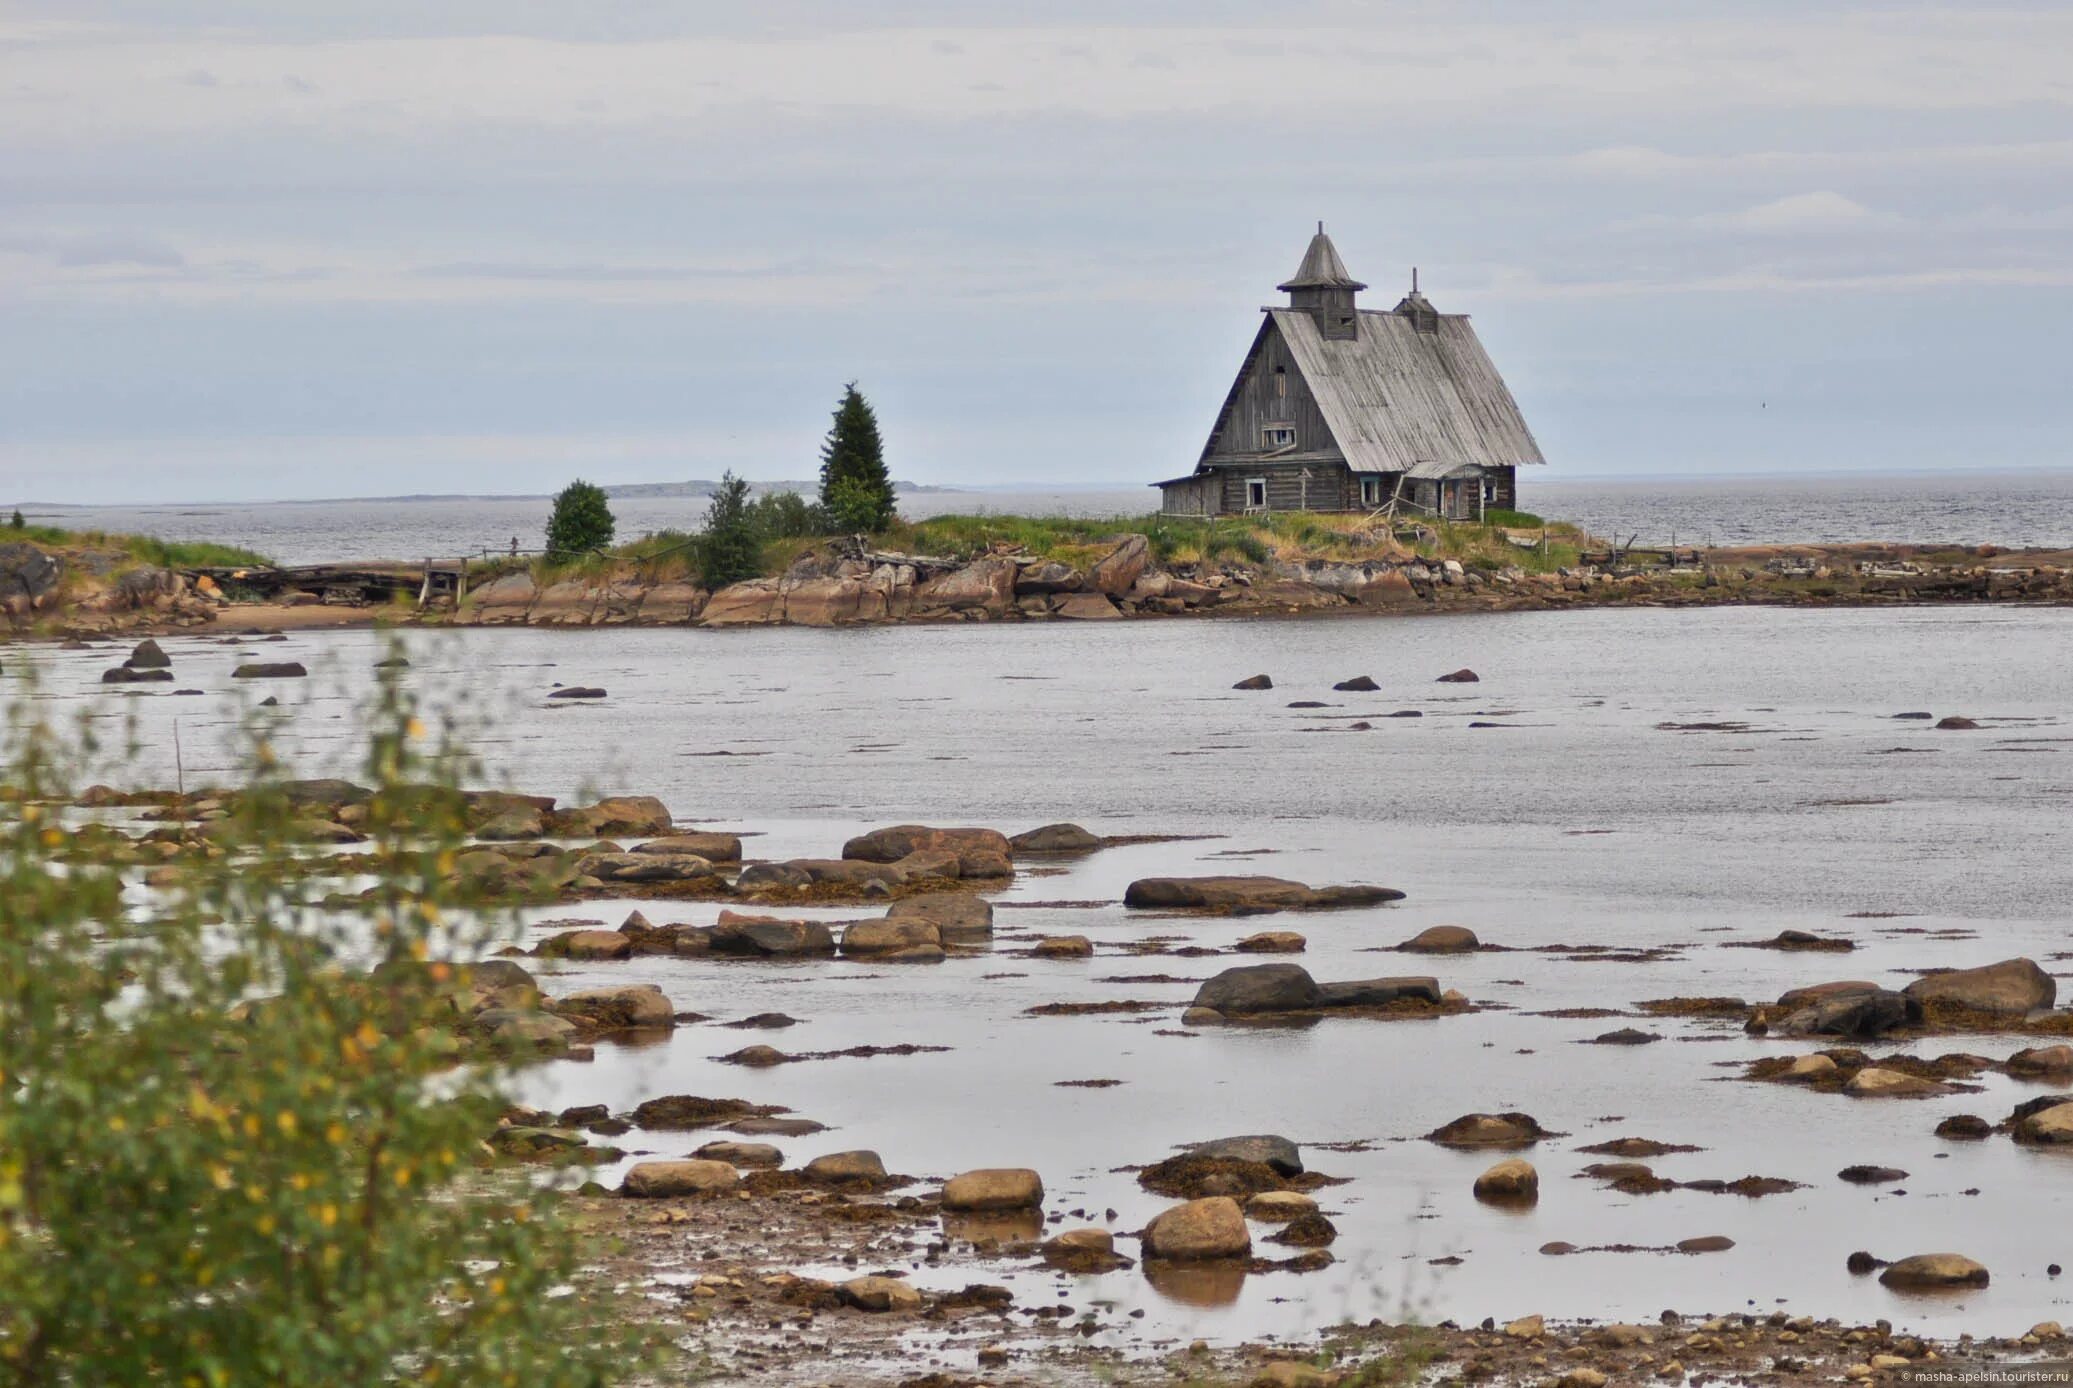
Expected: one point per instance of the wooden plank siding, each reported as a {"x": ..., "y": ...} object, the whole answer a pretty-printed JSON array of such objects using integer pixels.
[
  {"x": 1326, "y": 489},
  {"x": 1270, "y": 392}
]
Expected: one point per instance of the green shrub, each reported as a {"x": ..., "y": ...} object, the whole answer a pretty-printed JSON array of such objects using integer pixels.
[
  {"x": 731, "y": 549},
  {"x": 581, "y": 521},
  {"x": 788, "y": 516},
  {"x": 229, "y": 1154}
]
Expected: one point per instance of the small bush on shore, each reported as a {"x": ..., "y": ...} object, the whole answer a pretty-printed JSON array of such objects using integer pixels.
[
  {"x": 229, "y": 1154},
  {"x": 581, "y": 521}
]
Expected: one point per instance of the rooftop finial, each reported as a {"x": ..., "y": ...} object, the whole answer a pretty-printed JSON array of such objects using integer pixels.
[
  {"x": 1320, "y": 226},
  {"x": 1414, "y": 279}
]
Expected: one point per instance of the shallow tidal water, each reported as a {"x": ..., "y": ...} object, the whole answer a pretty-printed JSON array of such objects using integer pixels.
[{"x": 1579, "y": 821}]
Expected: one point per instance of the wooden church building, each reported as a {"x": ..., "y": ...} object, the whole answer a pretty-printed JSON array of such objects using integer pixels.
[{"x": 1344, "y": 408}]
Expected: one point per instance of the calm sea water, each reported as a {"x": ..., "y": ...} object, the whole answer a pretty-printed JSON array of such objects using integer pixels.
[
  {"x": 2018, "y": 509},
  {"x": 1580, "y": 821}
]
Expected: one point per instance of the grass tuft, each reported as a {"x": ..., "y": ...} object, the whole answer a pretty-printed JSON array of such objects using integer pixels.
[{"x": 145, "y": 549}]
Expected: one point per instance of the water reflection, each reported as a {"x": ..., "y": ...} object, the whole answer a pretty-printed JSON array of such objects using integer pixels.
[
  {"x": 1003, "y": 1226},
  {"x": 1196, "y": 1284}
]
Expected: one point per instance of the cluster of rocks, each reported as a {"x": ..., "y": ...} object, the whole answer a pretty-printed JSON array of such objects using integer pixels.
[
  {"x": 917, "y": 929},
  {"x": 1286, "y": 991},
  {"x": 2007, "y": 991},
  {"x": 94, "y": 590}
]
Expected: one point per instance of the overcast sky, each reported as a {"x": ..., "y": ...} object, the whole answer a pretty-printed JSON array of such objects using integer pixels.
[{"x": 349, "y": 247}]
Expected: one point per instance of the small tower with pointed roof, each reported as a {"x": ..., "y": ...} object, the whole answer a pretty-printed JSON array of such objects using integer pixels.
[
  {"x": 1416, "y": 307},
  {"x": 1323, "y": 288}
]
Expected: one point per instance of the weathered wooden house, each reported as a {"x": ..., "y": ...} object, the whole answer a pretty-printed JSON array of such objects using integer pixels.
[{"x": 1343, "y": 408}]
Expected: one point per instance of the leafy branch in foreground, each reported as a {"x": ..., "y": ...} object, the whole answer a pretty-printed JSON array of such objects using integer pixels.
[{"x": 235, "y": 1147}]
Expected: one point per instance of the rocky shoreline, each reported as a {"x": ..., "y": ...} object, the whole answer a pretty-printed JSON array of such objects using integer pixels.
[
  {"x": 737, "y": 1244},
  {"x": 842, "y": 584},
  {"x": 837, "y": 589}
]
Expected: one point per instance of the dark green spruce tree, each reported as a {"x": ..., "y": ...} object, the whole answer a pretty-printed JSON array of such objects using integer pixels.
[
  {"x": 731, "y": 549},
  {"x": 855, "y": 490}
]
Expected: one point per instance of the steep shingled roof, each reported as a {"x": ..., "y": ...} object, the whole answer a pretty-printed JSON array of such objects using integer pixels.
[{"x": 1398, "y": 399}]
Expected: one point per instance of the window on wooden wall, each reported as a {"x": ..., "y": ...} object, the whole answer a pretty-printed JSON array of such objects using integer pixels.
[
  {"x": 1489, "y": 490},
  {"x": 1255, "y": 493},
  {"x": 1371, "y": 491},
  {"x": 1280, "y": 383},
  {"x": 1278, "y": 436}
]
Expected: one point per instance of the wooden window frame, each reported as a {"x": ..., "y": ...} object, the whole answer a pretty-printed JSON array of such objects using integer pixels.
[{"x": 1250, "y": 483}]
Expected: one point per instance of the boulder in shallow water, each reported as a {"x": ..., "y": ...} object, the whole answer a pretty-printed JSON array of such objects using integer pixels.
[
  {"x": 1462, "y": 676},
  {"x": 1056, "y": 838},
  {"x": 741, "y": 1154},
  {"x": 618, "y": 814},
  {"x": 1874, "y": 1083},
  {"x": 2041, "y": 1062},
  {"x": 1378, "y": 992},
  {"x": 587, "y": 944},
  {"x": 1254, "y": 682},
  {"x": 2009, "y": 988},
  {"x": 1266, "y": 1148},
  {"x": 994, "y": 1188},
  {"x": 2049, "y": 1127},
  {"x": 148, "y": 655},
  {"x": 1442, "y": 939},
  {"x": 1248, "y": 894},
  {"x": 987, "y": 850},
  {"x": 1489, "y": 1130},
  {"x": 1864, "y": 1015},
  {"x": 612, "y": 1009},
  {"x": 1199, "y": 1230},
  {"x": 270, "y": 670},
  {"x": 837, "y": 1168},
  {"x": 644, "y": 867},
  {"x": 905, "y": 938},
  {"x": 653, "y": 1180},
  {"x": 1929, "y": 1271},
  {"x": 1258, "y": 988},
  {"x": 879, "y": 1295},
  {"x": 714, "y": 848},
  {"x": 959, "y": 917},
  {"x": 1511, "y": 1181},
  {"x": 1359, "y": 684},
  {"x": 766, "y": 935}
]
